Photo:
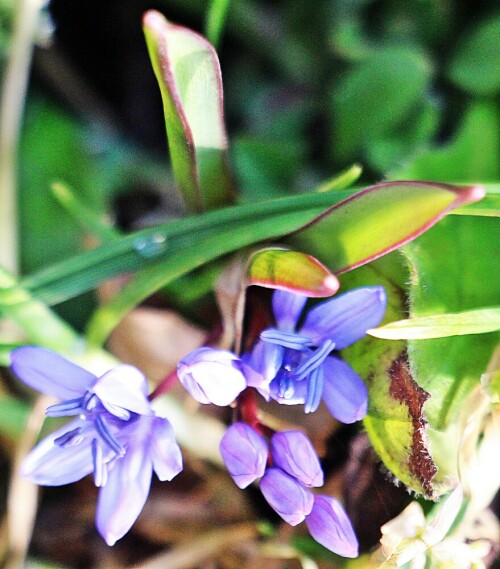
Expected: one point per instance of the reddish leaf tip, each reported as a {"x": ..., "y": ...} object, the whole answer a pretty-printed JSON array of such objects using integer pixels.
[
  {"x": 331, "y": 284},
  {"x": 471, "y": 194},
  {"x": 153, "y": 19}
]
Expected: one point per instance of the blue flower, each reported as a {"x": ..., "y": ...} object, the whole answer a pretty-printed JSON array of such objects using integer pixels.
[
  {"x": 287, "y": 470},
  {"x": 212, "y": 376},
  {"x": 117, "y": 436},
  {"x": 295, "y": 362}
]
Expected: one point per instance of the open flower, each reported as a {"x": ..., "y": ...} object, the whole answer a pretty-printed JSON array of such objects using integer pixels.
[
  {"x": 295, "y": 362},
  {"x": 287, "y": 469},
  {"x": 117, "y": 435}
]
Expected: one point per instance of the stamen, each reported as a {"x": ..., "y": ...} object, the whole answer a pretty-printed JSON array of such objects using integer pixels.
[
  {"x": 286, "y": 389},
  {"x": 315, "y": 360},
  {"x": 69, "y": 407},
  {"x": 71, "y": 438},
  {"x": 102, "y": 429},
  {"x": 285, "y": 339},
  {"x": 314, "y": 390},
  {"x": 100, "y": 468},
  {"x": 90, "y": 401}
]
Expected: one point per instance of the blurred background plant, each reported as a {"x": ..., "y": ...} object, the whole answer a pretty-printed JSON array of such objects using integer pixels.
[{"x": 407, "y": 89}]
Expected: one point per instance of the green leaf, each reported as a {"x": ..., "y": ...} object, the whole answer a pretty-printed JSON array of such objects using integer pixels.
[
  {"x": 376, "y": 97},
  {"x": 292, "y": 271},
  {"x": 453, "y": 269},
  {"x": 380, "y": 219},
  {"x": 440, "y": 325},
  {"x": 37, "y": 321},
  {"x": 476, "y": 65},
  {"x": 188, "y": 73},
  {"x": 361, "y": 228},
  {"x": 471, "y": 156},
  {"x": 216, "y": 19}
]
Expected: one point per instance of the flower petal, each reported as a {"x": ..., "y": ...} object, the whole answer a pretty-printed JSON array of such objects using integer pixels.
[
  {"x": 346, "y": 317},
  {"x": 212, "y": 376},
  {"x": 165, "y": 452},
  {"x": 293, "y": 452},
  {"x": 344, "y": 392},
  {"x": 286, "y": 496},
  {"x": 50, "y": 373},
  {"x": 329, "y": 525},
  {"x": 121, "y": 501},
  {"x": 49, "y": 464},
  {"x": 125, "y": 387},
  {"x": 244, "y": 452},
  {"x": 287, "y": 308},
  {"x": 265, "y": 359}
]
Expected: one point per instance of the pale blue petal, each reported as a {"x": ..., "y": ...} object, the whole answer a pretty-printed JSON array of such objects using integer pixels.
[
  {"x": 124, "y": 387},
  {"x": 329, "y": 525},
  {"x": 212, "y": 376},
  {"x": 244, "y": 452},
  {"x": 287, "y": 391},
  {"x": 293, "y": 452},
  {"x": 51, "y": 465},
  {"x": 344, "y": 392},
  {"x": 287, "y": 308},
  {"x": 288, "y": 498},
  {"x": 121, "y": 501},
  {"x": 345, "y": 318},
  {"x": 165, "y": 452},
  {"x": 265, "y": 359},
  {"x": 50, "y": 373}
]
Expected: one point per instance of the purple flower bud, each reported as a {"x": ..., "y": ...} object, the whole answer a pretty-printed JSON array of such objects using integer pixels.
[
  {"x": 212, "y": 376},
  {"x": 293, "y": 452},
  {"x": 245, "y": 453},
  {"x": 286, "y": 496},
  {"x": 329, "y": 525}
]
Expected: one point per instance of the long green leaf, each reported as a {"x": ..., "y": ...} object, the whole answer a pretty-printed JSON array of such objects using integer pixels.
[
  {"x": 440, "y": 325},
  {"x": 188, "y": 73},
  {"x": 360, "y": 228}
]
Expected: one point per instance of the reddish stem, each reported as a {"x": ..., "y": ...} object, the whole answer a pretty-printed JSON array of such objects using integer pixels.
[{"x": 165, "y": 385}]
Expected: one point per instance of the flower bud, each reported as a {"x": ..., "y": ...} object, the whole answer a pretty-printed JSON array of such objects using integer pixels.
[
  {"x": 245, "y": 453},
  {"x": 329, "y": 525},
  {"x": 212, "y": 376},
  {"x": 286, "y": 496},
  {"x": 293, "y": 452}
]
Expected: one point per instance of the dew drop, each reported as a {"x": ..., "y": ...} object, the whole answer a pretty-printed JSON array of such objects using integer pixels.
[{"x": 151, "y": 246}]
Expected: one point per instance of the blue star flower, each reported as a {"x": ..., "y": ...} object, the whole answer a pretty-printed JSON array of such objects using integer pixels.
[
  {"x": 295, "y": 362},
  {"x": 117, "y": 436}
]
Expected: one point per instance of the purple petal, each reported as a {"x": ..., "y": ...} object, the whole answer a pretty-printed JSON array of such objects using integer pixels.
[
  {"x": 50, "y": 373},
  {"x": 122, "y": 499},
  {"x": 265, "y": 359},
  {"x": 49, "y": 464},
  {"x": 345, "y": 318},
  {"x": 287, "y": 308},
  {"x": 286, "y": 496},
  {"x": 244, "y": 452},
  {"x": 165, "y": 452},
  {"x": 124, "y": 387},
  {"x": 329, "y": 525},
  {"x": 293, "y": 452},
  {"x": 344, "y": 392},
  {"x": 212, "y": 376}
]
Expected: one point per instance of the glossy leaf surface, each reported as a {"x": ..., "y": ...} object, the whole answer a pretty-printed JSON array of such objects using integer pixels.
[{"x": 188, "y": 73}]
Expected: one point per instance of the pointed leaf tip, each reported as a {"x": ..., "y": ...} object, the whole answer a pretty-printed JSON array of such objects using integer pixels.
[{"x": 291, "y": 271}]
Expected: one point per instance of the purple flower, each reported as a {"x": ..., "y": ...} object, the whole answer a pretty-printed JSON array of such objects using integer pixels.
[
  {"x": 329, "y": 525},
  {"x": 117, "y": 436},
  {"x": 286, "y": 495},
  {"x": 285, "y": 485},
  {"x": 245, "y": 453},
  {"x": 293, "y": 452},
  {"x": 294, "y": 361},
  {"x": 212, "y": 376}
]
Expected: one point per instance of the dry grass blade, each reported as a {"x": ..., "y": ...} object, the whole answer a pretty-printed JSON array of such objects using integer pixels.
[
  {"x": 23, "y": 495},
  {"x": 188, "y": 555}
]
